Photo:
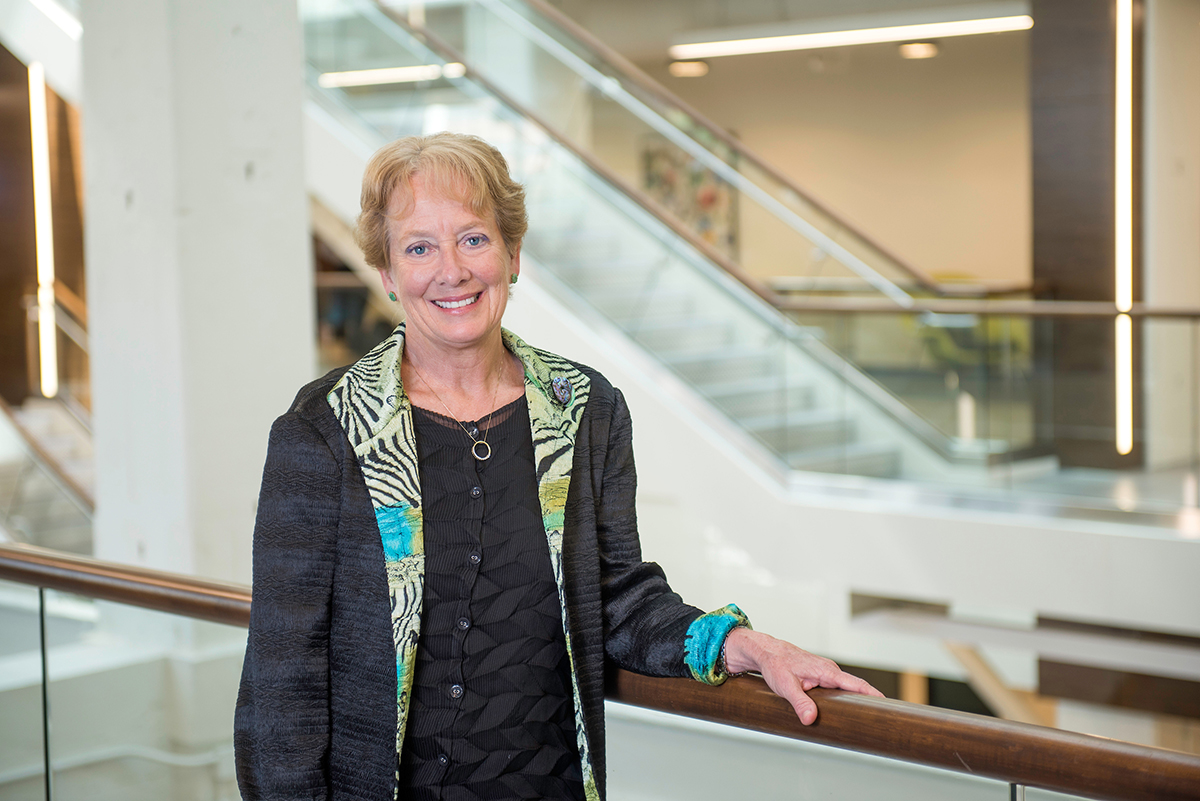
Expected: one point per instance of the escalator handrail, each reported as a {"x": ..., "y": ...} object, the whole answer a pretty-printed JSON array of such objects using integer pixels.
[{"x": 1018, "y": 753}]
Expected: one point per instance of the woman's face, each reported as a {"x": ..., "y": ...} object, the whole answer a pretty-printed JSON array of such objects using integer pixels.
[{"x": 448, "y": 267}]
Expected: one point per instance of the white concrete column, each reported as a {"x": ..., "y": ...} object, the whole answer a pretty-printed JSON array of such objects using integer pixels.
[
  {"x": 200, "y": 288},
  {"x": 1171, "y": 224}
]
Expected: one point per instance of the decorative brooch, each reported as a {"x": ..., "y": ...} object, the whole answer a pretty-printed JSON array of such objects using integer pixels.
[{"x": 562, "y": 390}]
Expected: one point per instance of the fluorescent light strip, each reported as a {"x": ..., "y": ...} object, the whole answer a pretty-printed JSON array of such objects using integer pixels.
[
  {"x": 43, "y": 220},
  {"x": 387, "y": 75},
  {"x": 1124, "y": 157},
  {"x": 810, "y": 41},
  {"x": 1123, "y": 233},
  {"x": 1124, "y": 334}
]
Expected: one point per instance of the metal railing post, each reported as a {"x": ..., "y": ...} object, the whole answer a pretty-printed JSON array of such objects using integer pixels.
[{"x": 49, "y": 775}]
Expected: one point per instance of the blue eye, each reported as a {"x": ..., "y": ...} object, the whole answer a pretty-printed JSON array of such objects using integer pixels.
[
  {"x": 475, "y": 240},
  {"x": 417, "y": 250}
]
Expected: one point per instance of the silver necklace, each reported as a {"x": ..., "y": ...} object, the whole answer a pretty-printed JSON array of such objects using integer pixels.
[{"x": 480, "y": 456}]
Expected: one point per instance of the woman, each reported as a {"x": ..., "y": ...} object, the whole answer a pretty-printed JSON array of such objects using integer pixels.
[{"x": 446, "y": 550}]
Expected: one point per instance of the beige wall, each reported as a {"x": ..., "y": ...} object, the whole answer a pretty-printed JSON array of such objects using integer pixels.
[
  {"x": 1172, "y": 153},
  {"x": 931, "y": 158}
]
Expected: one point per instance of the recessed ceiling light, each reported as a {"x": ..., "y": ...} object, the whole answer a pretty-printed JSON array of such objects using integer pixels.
[
  {"x": 918, "y": 50},
  {"x": 688, "y": 69}
]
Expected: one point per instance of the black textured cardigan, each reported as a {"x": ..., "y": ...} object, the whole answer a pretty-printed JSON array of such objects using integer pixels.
[{"x": 316, "y": 711}]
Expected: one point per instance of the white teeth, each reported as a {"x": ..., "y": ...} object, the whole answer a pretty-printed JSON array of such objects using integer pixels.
[{"x": 455, "y": 304}]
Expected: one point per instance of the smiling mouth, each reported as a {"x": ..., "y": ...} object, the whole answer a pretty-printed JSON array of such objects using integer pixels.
[{"x": 456, "y": 304}]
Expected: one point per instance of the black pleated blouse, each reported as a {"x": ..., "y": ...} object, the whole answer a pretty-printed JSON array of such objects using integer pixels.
[{"x": 491, "y": 713}]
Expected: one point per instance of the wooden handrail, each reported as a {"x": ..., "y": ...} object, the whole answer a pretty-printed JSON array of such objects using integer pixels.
[
  {"x": 217, "y": 601},
  {"x": 1095, "y": 767},
  {"x": 1018, "y": 753}
]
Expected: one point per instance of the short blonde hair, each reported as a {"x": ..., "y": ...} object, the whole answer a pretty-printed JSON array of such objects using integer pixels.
[{"x": 458, "y": 164}]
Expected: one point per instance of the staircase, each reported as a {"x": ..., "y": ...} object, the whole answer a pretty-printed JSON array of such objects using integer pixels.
[
  {"x": 784, "y": 410},
  {"x": 605, "y": 244}
]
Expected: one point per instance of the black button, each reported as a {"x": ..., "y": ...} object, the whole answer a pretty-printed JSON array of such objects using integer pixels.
[
  {"x": 456, "y": 691},
  {"x": 464, "y": 624},
  {"x": 475, "y": 431},
  {"x": 443, "y": 760},
  {"x": 475, "y": 558},
  {"x": 476, "y": 492}
]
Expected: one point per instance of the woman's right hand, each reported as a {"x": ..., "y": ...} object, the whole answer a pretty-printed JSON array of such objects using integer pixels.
[{"x": 789, "y": 671}]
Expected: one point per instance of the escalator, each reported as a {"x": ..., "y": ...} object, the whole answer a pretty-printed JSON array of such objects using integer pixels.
[{"x": 663, "y": 226}]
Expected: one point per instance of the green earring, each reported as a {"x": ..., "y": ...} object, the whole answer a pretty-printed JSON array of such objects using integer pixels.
[
  {"x": 512, "y": 279},
  {"x": 391, "y": 296}
]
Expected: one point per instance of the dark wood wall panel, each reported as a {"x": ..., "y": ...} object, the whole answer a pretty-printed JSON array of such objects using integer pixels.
[
  {"x": 1160, "y": 694},
  {"x": 1073, "y": 101},
  {"x": 18, "y": 250},
  {"x": 66, "y": 194}
]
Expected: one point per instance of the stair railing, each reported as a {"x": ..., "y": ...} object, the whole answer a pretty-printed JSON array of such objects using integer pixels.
[{"x": 1020, "y": 754}]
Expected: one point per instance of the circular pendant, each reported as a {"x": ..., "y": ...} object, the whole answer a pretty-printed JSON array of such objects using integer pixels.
[{"x": 487, "y": 450}]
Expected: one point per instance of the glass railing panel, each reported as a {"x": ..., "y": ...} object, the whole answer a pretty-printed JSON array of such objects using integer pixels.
[
  {"x": 969, "y": 376},
  {"x": 1036, "y": 794},
  {"x": 653, "y": 755},
  {"x": 605, "y": 252},
  {"x": 1155, "y": 364},
  {"x": 1020, "y": 406},
  {"x": 1167, "y": 369},
  {"x": 40, "y": 505},
  {"x": 22, "y": 763},
  {"x": 141, "y": 702}
]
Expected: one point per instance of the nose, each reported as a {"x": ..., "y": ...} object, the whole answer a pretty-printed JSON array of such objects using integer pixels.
[{"x": 452, "y": 270}]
